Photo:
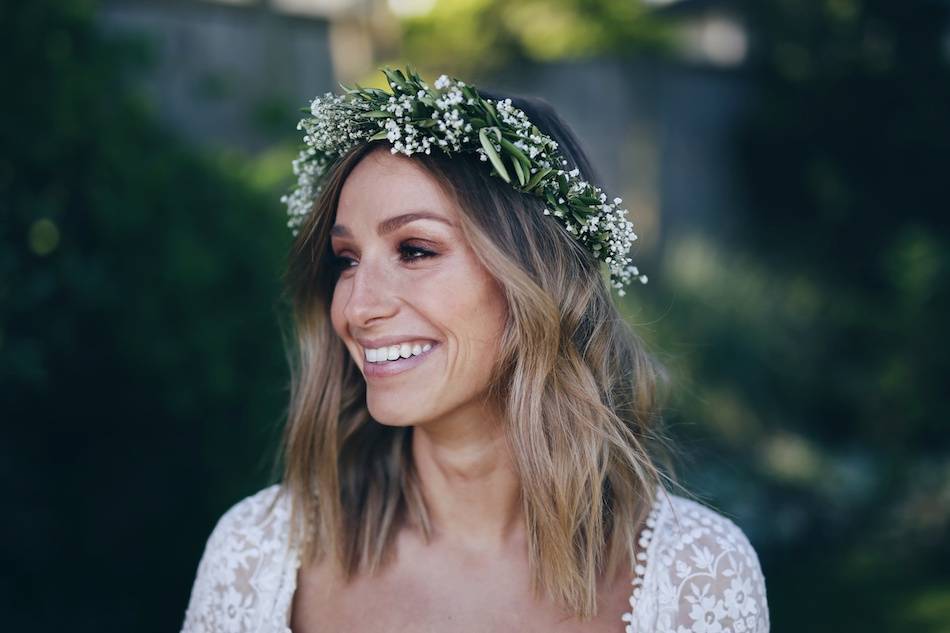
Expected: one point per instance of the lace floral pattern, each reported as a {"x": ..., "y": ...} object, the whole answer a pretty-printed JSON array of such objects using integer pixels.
[
  {"x": 248, "y": 572},
  {"x": 696, "y": 572},
  {"x": 699, "y": 574}
]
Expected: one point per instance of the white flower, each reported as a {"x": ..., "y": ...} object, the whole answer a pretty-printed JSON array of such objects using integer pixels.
[
  {"x": 738, "y": 595},
  {"x": 706, "y": 612}
]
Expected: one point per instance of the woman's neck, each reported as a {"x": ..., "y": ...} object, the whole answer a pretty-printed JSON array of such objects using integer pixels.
[{"x": 470, "y": 486}]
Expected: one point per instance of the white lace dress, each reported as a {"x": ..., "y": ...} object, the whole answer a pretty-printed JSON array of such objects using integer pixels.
[{"x": 696, "y": 573}]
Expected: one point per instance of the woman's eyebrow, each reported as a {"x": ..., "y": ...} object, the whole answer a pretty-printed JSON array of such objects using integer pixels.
[{"x": 391, "y": 224}]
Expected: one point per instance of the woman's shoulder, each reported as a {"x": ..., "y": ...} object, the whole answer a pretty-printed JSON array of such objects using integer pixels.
[
  {"x": 245, "y": 569},
  {"x": 263, "y": 508},
  {"x": 686, "y": 523},
  {"x": 258, "y": 524},
  {"x": 698, "y": 566},
  {"x": 261, "y": 519}
]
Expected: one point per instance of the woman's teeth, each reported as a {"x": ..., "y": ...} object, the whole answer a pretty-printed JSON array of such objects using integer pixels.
[{"x": 395, "y": 352}]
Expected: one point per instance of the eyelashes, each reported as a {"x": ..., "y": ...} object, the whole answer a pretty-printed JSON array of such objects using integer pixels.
[{"x": 407, "y": 254}]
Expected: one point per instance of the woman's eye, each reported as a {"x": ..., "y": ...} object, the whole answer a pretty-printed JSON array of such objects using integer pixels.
[
  {"x": 338, "y": 262},
  {"x": 407, "y": 253},
  {"x": 410, "y": 253}
]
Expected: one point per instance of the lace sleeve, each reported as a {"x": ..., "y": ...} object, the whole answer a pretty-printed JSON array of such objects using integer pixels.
[
  {"x": 709, "y": 578},
  {"x": 241, "y": 574}
]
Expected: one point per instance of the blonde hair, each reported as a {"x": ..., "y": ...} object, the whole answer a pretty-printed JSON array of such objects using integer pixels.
[{"x": 574, "y": 383}]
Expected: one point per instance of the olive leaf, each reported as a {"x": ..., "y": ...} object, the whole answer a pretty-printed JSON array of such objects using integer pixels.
[
  {"x": 519, "y": 170},
  {"x": 537, "y": 177},
  {"x": 512, "y": 149},
  {"x": 489, "y": 148}
]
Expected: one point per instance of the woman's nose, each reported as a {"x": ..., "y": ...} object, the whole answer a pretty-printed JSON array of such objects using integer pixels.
[{"x": 371, "y": 293}]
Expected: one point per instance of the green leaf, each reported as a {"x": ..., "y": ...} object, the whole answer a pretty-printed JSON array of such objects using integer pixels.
[
  {"x": 537, "y": 177},
  {"x": 492, "y": 114},
  {"x": 376, "y": 114},
  {"x": 395, "y": 77},
  {"x": 519, "y": 171},
  {"x": 379, "y": 135},
  {"x": 493, "y": 155},
  {"x": 517, "y": 153},
  {"x": 589, "y": 201},
  {"x": 562, "y": 184}
]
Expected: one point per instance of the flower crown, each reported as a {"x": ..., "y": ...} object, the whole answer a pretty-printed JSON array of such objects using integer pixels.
[{"x": 451, "y": 116}]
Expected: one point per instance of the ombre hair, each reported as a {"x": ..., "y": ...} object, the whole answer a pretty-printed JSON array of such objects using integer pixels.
[{"x": 575, "y": 386}]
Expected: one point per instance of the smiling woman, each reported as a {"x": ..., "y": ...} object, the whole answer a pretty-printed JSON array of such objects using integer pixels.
[
  {"x": 473, "y": 439},
  {"x": 382, "y": 297}
]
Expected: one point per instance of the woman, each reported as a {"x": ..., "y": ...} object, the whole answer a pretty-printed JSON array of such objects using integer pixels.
[{"x": 472, "y": 442}]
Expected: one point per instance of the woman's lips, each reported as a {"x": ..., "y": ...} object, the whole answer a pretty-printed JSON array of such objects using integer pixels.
[{"x": 393, "y": 367}]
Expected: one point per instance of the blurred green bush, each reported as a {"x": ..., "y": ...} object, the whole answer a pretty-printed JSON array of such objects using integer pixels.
[{"x": 141, "y": 362}]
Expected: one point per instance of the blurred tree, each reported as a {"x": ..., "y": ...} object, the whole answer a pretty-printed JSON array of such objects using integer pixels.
[
  {"x": 843, "y": 159},
  {"x": 141, "y": 363},
  {"x": 473, "y": 38},
  {"x": 840, "y": 272}
]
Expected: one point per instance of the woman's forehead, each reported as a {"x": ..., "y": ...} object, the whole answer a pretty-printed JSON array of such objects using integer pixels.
[{"x": 383, "y": 184}]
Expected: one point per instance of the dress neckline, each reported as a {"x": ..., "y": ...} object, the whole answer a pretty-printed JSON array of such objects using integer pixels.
[
  {"x": 642, "y": 566},
  {"x": 647, "y": 541}
]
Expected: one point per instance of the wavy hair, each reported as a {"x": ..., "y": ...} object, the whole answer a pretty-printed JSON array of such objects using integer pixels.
[{"x": 576, "y": 386}]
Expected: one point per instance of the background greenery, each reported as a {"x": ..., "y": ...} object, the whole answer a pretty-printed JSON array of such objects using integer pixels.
[{"x": 142, "y": 377}]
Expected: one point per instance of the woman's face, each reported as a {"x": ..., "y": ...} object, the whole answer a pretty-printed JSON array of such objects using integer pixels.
[{"x": 408, "y": 281}]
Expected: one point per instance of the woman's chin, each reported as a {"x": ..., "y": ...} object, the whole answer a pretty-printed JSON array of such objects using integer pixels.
[{"x": 392, "y": 416}]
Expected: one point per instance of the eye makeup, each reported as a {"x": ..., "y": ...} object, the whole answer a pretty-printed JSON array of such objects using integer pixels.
[{"x": 409, "y": 251}]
